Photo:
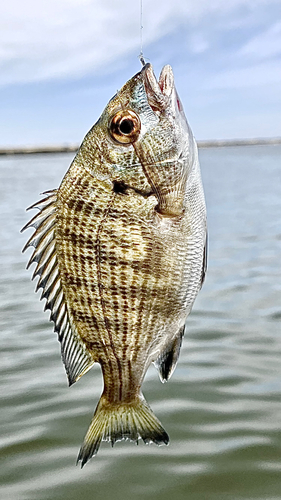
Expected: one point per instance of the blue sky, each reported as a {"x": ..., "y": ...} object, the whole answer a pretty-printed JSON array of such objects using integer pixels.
[{"x": 62, "y": 60}]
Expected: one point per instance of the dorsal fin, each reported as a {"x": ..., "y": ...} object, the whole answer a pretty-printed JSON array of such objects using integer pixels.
[
  {"x": 167, "y": 361},
  {"x": 75, "y": 356}
]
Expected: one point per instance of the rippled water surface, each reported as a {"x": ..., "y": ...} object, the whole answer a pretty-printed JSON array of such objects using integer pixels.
[{"x": 222, "y": 407}]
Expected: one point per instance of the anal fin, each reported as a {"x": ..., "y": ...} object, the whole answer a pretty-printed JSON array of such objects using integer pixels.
[{"x": 167, "y": 361}]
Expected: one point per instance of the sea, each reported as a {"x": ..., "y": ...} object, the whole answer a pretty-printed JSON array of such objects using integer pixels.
[{"x": 222, "y": 406}]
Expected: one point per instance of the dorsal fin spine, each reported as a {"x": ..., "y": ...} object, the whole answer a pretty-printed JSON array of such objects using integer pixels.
[
  {"x": 55, "y": 302},
  {"x": 46, "y": 273},
  {"x": 49, "y": 284},
  {"x": 51, "y": 299},
  {"x": 41, "y": 254},
  {"x": 49, "y": 293},
  {"x": 37, "y": 238},
  {"x": 42, "y": 264},
  {"x": 61, "y": 318}
]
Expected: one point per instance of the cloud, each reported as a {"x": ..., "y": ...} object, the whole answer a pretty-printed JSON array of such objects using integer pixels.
[
  {"x": 256, "y": 62},
  {"x": 60, "y": 39},
  {"x": 265, "y": 44},
  {"x": 262, "y": 74}
]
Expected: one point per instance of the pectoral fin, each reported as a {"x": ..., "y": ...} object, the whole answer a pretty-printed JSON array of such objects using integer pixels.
[{"x": 167, "y": 361}]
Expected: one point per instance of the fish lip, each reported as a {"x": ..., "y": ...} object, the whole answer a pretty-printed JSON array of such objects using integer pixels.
[{"x": 158, "y": 93}]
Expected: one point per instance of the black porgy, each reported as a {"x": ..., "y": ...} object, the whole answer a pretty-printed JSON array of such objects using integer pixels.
[{"x": 120, "y": 252}]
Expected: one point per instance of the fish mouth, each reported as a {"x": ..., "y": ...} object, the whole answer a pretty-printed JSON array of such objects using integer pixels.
[{"x": 159, "y": 93}]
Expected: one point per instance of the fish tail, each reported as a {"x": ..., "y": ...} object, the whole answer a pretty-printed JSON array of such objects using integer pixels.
[{"x": 114, "y": 422}]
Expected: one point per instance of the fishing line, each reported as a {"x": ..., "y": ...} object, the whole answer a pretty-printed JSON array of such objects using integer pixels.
[{"x": 141, "y": 58}]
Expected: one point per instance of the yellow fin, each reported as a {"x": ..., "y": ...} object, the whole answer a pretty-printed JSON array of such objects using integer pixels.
[{"x": 113, "y": 422}]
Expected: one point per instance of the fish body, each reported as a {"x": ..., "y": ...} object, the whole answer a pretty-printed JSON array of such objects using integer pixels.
[{"x": 120, "y": 249}]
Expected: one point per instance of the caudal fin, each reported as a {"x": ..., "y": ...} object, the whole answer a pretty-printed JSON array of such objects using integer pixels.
[{"x": 114, "y": 422}]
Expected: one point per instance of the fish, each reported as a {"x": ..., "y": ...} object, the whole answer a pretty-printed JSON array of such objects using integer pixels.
[{"x": 121, "y": 253}]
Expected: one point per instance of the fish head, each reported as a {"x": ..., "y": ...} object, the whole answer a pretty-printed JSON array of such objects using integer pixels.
[
  {"x": 142, "y": 140},
  {"x": 167, "y": 150}
]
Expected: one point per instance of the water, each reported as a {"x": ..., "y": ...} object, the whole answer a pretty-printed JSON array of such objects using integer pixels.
[{"x": 222, "y": 407}]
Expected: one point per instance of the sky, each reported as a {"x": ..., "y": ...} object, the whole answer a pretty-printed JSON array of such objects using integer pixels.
[{"x": 62, "y": 60}]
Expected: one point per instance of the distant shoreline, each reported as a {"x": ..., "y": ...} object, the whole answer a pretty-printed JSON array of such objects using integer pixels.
[
  {"x": 239, "y": 142},
  {"x": 72, "y": 148}
]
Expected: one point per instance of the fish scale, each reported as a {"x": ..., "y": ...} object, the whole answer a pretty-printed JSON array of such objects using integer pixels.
[{"x": 120, "y": 251}]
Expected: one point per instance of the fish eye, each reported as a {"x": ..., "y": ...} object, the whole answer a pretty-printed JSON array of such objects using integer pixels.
[{"x": 125, "y": 126}]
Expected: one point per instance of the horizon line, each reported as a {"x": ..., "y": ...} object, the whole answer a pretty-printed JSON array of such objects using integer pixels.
[{"x": 73, "y": 148}]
